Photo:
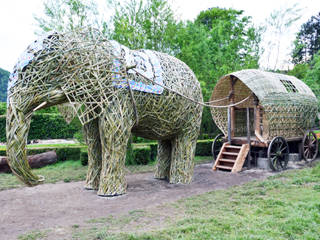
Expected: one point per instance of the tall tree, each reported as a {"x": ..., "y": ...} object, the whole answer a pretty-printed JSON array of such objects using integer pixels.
[
  {"x": 307, "y": 42},
  {"x": 220, "y": 41},
  {"x": 4, "y": 77},
  {"x": 66, "y": 15},
  {"x": 145, "y": 24},
  {"x": 278, "y": 24}
]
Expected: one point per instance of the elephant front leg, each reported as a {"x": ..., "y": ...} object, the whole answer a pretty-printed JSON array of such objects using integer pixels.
[
  {"x": 182, "y": 161},
  {"x": 92, "y": 137},
  {"x": 163, "y": 159},
  {"x": 114, "y": 134}
]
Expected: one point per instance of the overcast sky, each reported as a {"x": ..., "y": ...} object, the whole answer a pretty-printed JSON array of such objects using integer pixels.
[{"x": 18, "y": 25}]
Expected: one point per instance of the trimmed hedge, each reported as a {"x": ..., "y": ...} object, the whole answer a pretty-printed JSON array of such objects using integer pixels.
[
  {"x": 148, "y": 153},
  {"x": 203, "y": 148},
  {"x": 46, "y": 126},
  {"x": 84, "y": 158},
  {"x": 63, "y": 154}
]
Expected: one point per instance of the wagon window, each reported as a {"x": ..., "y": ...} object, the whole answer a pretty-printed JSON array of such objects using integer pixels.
[{"x": 289, "y": 85}]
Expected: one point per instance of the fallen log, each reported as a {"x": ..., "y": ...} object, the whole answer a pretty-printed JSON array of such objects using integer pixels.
[{"x": 35, "y": 161}]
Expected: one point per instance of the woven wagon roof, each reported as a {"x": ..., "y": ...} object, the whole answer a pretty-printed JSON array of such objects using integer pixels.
[{"x": 263, "y": 83}]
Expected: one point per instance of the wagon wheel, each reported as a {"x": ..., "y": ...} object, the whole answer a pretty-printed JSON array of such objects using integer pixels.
[
  {"x": 310, "y": 146},
  {"x": 216, "y": 146},
  {"x": 278, "y": 152}
]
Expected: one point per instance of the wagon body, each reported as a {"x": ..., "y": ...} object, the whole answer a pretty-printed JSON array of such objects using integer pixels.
[{"x": 261, "y": 106}]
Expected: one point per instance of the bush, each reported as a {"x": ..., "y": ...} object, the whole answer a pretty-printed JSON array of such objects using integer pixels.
[
  {"x": 84, "y": 158},
  {"x": 68, "y": 154},
  {"x": 63, "y": 153},
  {"x": 3, "y": 108},
  {"x": 129, "y": 154},
  {"x": 203, "y": 148},
  {"x": 142, "y": 156},
  {"x": 154, "y": 151},
  {"x": 46, "y": 126}
]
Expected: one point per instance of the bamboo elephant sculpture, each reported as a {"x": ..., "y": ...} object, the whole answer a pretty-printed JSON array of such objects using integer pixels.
[{"x": 115, "y": 92}]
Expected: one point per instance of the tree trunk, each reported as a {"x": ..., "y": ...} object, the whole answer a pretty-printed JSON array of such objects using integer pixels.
[{"x": 35, "y": 161}]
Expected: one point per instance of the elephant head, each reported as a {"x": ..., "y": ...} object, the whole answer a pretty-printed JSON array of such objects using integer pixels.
[{"x": 55, "y": 69}]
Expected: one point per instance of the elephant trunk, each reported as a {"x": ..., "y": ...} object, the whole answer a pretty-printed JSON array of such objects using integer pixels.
[{"x": 18, "y": 124}]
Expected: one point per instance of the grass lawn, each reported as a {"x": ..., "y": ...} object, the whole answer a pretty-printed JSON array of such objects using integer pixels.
[
  {"x": 73, "y": 171},
  {"x": 285, "y": 206}
]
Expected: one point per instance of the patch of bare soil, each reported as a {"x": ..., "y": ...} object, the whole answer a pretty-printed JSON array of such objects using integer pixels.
[{"x": 68, "y": 204}]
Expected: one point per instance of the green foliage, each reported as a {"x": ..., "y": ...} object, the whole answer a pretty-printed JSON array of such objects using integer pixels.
[
  {"x": 4, "y": 77},
  {"x": 299, "y": 71},
  {"x": 312, "y": 77},
  {"x": 278, "y": 24},
  {"x": 145, "y": 24},
  {"x": 45, "y": 126},
  {"x": 66, "y": 15},
  {"x": 84, "y": 158},
  {"x": 142, "y": 156},
  {"x": 154, "y": 151},
  {"x": 218, "y": 42},
  {"x": 307, "y": 42},
  {"x": 203, "y": 148}
]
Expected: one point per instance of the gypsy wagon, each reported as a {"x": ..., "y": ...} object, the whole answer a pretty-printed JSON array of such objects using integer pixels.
[{"x": 262, "y": 113}]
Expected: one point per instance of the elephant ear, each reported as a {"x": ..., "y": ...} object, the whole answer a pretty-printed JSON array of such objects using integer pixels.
[{"x": 67, "y": 111}]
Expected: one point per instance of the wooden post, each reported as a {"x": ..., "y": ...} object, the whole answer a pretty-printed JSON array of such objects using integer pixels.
[
  {"x": 232, "y": 101},
  {"x": 249, "y": 137},
  {"x": 257, "y": 115},
  {"x": 229, "y": 125}
]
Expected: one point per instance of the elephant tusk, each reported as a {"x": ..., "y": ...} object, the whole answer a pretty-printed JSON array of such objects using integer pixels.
[
  {"x": 131, "y": 67},
  {"x": 40, "y": 106}
]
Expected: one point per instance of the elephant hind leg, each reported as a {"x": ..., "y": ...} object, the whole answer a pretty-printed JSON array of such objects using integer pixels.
[
  {"x": 182, "y": 158},
  {"x": 92, "y": 138},
  {"x": 164, "y": 159}
]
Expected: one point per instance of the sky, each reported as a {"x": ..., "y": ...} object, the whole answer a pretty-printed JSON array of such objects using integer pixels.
[{"x": 17, "y": 24}]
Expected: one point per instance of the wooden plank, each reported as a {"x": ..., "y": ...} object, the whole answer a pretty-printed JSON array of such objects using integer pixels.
[
  {"x": 227, "y": 160},
  {"x": 241, "y": 158},
  {"x": 233, "y": 146},
  {"x": 230, "y": 153},
  {"x": 224, "y": 167},
  {"x": 232, "y": 109},
  {"x": 257, "y": 120},
  {"x": 259, "y": 137},
  {"x": 229, "y": 125},
  {"x": 214, "y": 168},
  {"x": 248, "y": 137}
]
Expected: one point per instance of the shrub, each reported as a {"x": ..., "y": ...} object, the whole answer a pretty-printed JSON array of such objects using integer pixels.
[
  {"x": 63, "y": 153},
  {"x": 129, "y": 154},
  {"x": 203, "y": 148},
  {"x": 68, "y": 154},
  {"x": 84, "y": 158},
  {"x": 154, "y": 151},
  {"x": 45, "y": 126},
  {"x": 142, "y": 156}
]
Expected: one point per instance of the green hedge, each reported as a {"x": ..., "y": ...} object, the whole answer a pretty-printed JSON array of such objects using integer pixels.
[
  {"x": 46, "y": 126},
  {"x": 63, "y": 154},
  {"x": 203, "y": 148},
  {"x": 146, "y": 154}
]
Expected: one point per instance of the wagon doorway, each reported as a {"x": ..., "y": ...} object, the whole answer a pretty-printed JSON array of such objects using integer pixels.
[{"x": 240, "y": 122}]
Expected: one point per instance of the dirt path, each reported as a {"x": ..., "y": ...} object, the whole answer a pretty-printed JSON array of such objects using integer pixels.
[{"x": 66, "y": 204}]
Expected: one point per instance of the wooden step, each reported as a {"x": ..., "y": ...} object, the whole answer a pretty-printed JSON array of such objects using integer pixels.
[
  {"x": 227, "y": 160},
  {"x": 224, "y": 167},
  {"x": 234, "y": 165},
  {"x": 233, "y": 146},
  {"x": 230, "y": 153}
]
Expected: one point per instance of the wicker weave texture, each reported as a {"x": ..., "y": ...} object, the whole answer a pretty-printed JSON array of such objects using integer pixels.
[
  {"x": 84, "y": 70},
  {"x": 288, "y": 106}
]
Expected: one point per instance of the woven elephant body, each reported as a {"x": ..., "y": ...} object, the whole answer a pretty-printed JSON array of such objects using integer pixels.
[{"x": 115, "y": 91}]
